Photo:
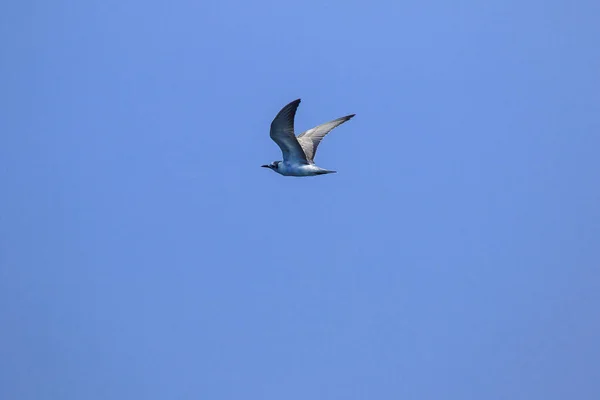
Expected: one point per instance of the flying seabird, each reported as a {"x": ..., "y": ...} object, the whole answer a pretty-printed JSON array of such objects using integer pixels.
[{"x": 299, "y": 152}]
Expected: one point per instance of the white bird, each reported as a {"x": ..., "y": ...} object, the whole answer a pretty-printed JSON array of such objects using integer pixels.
[{"x": 299, "y": 152}]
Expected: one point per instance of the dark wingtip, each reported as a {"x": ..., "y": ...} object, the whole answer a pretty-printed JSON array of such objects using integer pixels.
[{"x": 346, "y": 118}]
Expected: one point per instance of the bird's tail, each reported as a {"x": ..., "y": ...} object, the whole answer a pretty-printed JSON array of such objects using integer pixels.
[{"x": 325, "y": 171}]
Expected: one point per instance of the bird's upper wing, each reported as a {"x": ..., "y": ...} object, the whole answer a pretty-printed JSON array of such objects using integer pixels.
[
  {"x": 310, "y": 139},
  {"x": 282, "y": 133}
]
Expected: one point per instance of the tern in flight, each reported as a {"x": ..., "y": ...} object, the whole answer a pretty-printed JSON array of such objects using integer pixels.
[{"x": 299, "y": 152}]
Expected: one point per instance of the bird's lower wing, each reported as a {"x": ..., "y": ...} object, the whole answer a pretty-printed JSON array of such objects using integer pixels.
[{"x": 309, "y": 140}]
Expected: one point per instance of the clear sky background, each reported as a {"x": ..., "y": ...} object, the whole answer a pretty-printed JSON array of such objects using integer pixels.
[{"x": 144, "y": 254}]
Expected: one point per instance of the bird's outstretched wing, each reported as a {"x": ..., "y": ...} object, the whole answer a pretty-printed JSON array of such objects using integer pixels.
[
  {"x": 282, "y": 133},
  {"x": 309, "y": 140}
]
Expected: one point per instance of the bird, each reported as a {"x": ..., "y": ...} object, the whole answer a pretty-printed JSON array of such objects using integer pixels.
[{"x": 299, "y": 152}]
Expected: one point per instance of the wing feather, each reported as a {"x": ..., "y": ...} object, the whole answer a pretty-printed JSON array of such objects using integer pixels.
[
  {"x": 309, "y": 140},
  {"x": 282, "y": 133}
]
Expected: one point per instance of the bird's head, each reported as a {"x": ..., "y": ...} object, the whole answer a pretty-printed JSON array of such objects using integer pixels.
[{"x": 274, "y": 166}]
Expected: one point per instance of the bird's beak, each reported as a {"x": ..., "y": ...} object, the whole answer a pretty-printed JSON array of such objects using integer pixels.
[{"x": 265, "y": 166}]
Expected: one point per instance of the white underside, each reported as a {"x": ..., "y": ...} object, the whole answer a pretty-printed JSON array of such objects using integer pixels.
[{"x": 292, "y": 169}]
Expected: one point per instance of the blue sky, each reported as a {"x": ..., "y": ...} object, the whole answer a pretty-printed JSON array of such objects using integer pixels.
[{"x": 145, "y": 254}]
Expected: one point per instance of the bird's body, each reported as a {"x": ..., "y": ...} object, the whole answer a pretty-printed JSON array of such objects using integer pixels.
[
  {"x": 296, "y": 169},
  {"x": 299, "y": 152}
]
